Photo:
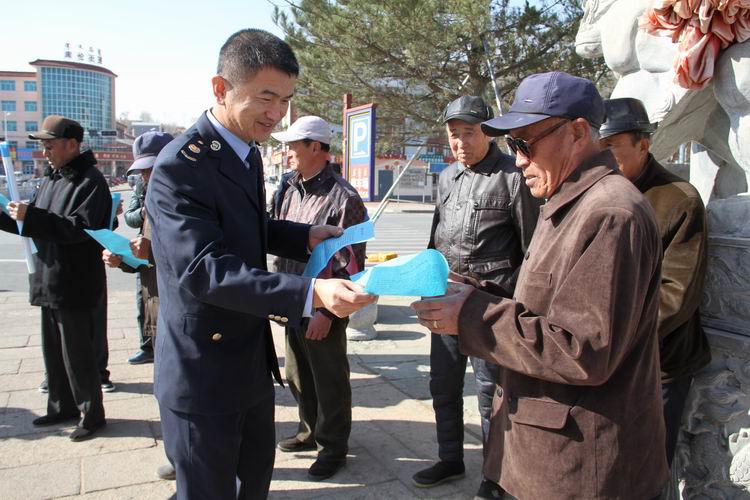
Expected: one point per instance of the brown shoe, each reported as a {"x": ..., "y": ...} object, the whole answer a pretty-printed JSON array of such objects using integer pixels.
[{"x": 292, "y": 444}]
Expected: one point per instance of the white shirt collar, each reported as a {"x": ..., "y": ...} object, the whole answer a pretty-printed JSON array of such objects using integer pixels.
[{"x": 240, "y": 147}]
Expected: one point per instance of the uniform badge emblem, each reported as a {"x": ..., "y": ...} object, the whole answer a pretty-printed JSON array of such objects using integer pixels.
[
  {"x": 194, "y": 148},
  {"x": 215, "y": 145}
]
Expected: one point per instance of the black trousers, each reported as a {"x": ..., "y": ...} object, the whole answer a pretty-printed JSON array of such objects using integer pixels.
[
  {"x": 674, "y": 394},
  {"x": 221, "y": 457},
  {"x": 447, "y": 371},
  {"x": 145, "y": 340},
  {"x": 73, "y": 377},
  {"x": 318, "y": 376},
  {"x": 101, "y": 344}
]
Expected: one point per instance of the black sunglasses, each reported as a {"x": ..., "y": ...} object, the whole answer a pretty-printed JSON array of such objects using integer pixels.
[{"x": 524, "y": 147}]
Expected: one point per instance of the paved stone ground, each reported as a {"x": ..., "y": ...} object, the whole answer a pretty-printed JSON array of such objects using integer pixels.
[{"x": 393, "y": 434}]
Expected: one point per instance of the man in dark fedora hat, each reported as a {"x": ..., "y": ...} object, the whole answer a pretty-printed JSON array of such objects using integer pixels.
[
  {"x": 682, "y": 224},
  {"x": 69, "y": 280}
]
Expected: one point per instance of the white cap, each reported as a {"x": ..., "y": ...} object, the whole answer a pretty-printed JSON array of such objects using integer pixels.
[{"x": 307, "y": 127}]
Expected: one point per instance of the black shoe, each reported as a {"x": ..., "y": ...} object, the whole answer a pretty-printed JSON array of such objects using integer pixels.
[
  {"x": 166, "y": 472},
  {"x": 489, "y": 490},
  {"x": 292, "y": 444},
  {"x": 108, "y": 386},
  {"x": 44, "y": 387},
  {"x": 323, "y": 469},
  {"x": 54, "y": 419},
  {"x": 141, "y": 357},
  {"x": 83, "y": 433},
  {"x": 439, "y": 473}
]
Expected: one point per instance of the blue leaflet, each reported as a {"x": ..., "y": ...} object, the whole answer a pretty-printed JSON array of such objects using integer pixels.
[
  {"x": 118, "y": 245},
  {"x": 422, "y": 275},
  {"x": 116, "y": 197},
  {"x": 325, "y": 250}
]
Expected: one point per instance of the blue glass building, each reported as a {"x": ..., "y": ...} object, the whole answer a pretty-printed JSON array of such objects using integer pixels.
[{"x": 83, "y": 92}]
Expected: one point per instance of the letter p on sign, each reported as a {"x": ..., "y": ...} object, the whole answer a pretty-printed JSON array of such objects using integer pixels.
[{"x": 360, "y": 137}]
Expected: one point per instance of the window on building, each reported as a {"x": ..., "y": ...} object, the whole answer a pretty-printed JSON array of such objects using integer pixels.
[
  {"x": 8, "y": 105},
  {"x": 12, "y": 126},
  {"x": 32, "y": 144},
  {"x": 29, "y": 86},
  {"x": 32, "y": 126},
  {"x": 29, "y": 106},
  {"x": 8, "y": 85},
  {"x": 13, "y": 144}
]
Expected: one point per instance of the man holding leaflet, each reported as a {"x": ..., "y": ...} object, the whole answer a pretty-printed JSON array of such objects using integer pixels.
[
  {"x": 214, "y": 352},
  {"x": 69, "y": 281},
  {"x": 483, "y": 223},
  {"x": 316, "y": 365}
]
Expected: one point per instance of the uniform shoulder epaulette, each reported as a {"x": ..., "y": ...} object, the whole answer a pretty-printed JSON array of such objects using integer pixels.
[{"x": 193, "y": 149}]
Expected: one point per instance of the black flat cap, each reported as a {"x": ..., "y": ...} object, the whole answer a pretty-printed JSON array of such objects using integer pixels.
[{"x": 468, "y": 108}]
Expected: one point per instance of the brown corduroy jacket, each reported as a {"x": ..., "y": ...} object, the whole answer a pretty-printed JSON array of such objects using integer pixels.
[
  {"x": 578, "y": 411},
  {"x": 682, "y": 224}
]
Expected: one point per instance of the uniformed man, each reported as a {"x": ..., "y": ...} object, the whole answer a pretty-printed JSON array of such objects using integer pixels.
[
  {"x": 681, "y": 216},
  {"x": 214, "y": 350}
]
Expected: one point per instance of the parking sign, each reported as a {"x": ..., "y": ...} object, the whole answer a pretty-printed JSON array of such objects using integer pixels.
[{"x": 359, "y": 157}]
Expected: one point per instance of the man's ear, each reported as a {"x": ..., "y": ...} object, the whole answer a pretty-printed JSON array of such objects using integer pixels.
[
  {"x": 220, "y": 87},
  {"x": 580, "y": 129},
  {"x": 645, "y": 145}
]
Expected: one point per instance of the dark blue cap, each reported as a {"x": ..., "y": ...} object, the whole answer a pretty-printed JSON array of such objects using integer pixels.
[
  {"x": 543, "y": 95},
  {"x": 147, "y": 147}
]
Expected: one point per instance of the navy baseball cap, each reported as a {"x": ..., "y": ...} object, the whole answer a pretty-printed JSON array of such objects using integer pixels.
[
  {"x": 544, "y": 95},
  {"x": 147, "y": 147}
]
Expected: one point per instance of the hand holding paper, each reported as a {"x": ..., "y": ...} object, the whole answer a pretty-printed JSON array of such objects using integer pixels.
[
  {"x": 118, "y": 245},
  {"x": 326, "y": 249},
  {"x": 341, "y": 297}
]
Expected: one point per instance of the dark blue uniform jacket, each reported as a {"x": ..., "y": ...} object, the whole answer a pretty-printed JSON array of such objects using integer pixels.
[{"x": 214, "y": 351}]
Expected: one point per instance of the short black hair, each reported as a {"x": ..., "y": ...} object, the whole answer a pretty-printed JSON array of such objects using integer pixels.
[
  {"x": 323, "y": 145},
  {"x": 250, "y": 50}
]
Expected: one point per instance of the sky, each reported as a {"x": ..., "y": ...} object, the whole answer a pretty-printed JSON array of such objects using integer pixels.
[{"x": 164, "y": 52}]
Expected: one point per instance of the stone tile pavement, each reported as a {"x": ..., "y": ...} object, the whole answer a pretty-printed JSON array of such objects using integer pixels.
[{"x": 393, "y": 434}]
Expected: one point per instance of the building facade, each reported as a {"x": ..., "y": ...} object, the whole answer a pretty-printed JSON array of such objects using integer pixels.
[
  {"x": 77, "y": 90},
  {"x": 21, "y": 115},
  {"x": 82, "y": 92}
]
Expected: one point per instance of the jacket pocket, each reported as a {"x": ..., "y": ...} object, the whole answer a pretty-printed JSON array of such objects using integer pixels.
[
  {"x": 539, "y": 413},
  {"x": 488, "y": 216},
  {"x": 215, "y": 330},
  {"x": 489, "y": 266},
  {"x": 537, "y": 279}
]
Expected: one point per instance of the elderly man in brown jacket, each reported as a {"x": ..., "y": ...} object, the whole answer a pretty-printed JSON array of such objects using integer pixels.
[
  {"x": 682, "y": 223},
  {"x": 577, "y": 412}
]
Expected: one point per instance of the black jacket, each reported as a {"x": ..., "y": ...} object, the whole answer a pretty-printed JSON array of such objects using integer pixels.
[
  {"x": 484, "y": 219},
  {"x": 69, "y": 268}
]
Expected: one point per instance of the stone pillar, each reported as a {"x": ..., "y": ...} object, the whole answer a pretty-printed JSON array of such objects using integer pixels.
[
  {"x": 362, "y": 323},
  {"x": 713, "y": 457}
]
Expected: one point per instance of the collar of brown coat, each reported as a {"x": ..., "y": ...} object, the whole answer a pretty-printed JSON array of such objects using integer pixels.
[{"x": 586, "y": 175}]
